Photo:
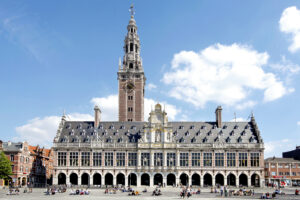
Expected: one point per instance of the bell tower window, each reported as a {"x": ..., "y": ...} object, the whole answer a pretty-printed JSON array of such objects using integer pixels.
[
  {"x": 131, "y": 46},
  {"x": 130, "y": 65},
  {"x": 126, "y": 48},
  {"x": 136, "y": 48}
]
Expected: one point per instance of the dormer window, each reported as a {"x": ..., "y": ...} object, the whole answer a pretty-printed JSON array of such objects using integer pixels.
[
  {"x": 132, "y": 139},
  {"x": 74, "y": 140},
  {"x": 217, "y": 139},
  {"x": 109, "y": 140},
  {"x": 203, "y": 127},
  {"x": 63, "y": 140},
  {"x": 71, "y": 132},
  {"x": 111, "y": 127},
  {"x": 193, "y": 140},
  {"x": 192, "y": 127},
  {"x": 251, "y": 140},
  {"x": 221, "y": 132},
  {"x": 115, "y": 133},
  {"x": 87, "y": 139},
  {"x": 68, "y": 126},
  {"x": 209, "y": 133},
  {"x": 236, "y": 127},
  {"x": 187, "y": 133},
  {"x": 175, "y": 133},
  {"x": 228, "y": 139},
  {"x": 239, "y": 140},
  {"x": 204, "y": 140},
  {"x": 133, "y": 127},
  {"x": 198, "y": 133},
  {"x": 122, "y": 127},
  {"x": 231, "y": 133},
  {"x": 247, "y": 126},
  {"x": 181, "y": 127},
  {"x": 181, "y": 140},
  {"x": 243, "y": 133},
  {"x": 214, "y": 126},
  {"x": 120, "y": 140},
  {"x": 225, "y": 127},
  {"x": 82, "y": 132},
  {"x": 79, "y": 126},
  {"x": 100, "y": 126}
]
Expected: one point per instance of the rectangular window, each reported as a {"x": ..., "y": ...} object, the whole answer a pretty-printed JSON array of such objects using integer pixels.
[
  {"x": 62, "y": 158},
  {"x": 280, "y": 166},
  {"x": 12, "y": 157},
  {"x": 130, "y": 109},
  {"x": 73, "y": 158},
  {"x": 254, "y": 159},
  {"x": 293, "y": 173},
  {"x": 293, "y": 166},
  {"x": 109, "y": 159},
  {"x": 171, "y": 159},
  {"x": 85, "y": 158},
  {"x": 230, "y": 159},
  {"x": 120, "y": 159},
  {"x": 184, "y": 159},
  {"x": 219, "y": 159},
  {"x": 273, "y": 173},
  {"x": 196, "y": 159},
  {"x": 243, "y": 159},
  {"x": 286, "y": 166},
  {"x": 97, "y": 159},
  {"x": 207, "y": 159},
  {"x": 158, "y": 159},
  {"x": 280, "y": 173},
  {"x": 12, "y": 168},
  {"x": 273, "y": 166},
  {"x": 287, "y": 173},
  {"x": 145, "y": 159},
  {"x": 130, "y": 97},
  {"x": 132, "y": 159}
]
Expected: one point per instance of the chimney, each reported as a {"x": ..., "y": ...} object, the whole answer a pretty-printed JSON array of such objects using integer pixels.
[
  {"x": 97, "y": 116},
  {"x": 219, "y": 116}
]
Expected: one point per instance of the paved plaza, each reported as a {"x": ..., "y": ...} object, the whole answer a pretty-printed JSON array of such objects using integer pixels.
[{"x": 167, "y": 193}]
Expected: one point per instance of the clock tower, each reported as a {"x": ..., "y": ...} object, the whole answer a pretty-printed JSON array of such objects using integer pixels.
[{"x": 131, "y": 77}]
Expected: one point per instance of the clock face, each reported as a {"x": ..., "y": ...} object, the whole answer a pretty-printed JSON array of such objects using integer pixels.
[{"x": 129, "y": 87}]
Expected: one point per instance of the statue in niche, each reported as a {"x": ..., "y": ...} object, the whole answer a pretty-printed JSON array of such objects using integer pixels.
[
  {"x": 169, "y": 136},
  {"x": 157, "y": 136}
]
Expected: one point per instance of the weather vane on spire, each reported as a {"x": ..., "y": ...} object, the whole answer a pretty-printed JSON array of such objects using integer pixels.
[{"x": 131, "y": 10}]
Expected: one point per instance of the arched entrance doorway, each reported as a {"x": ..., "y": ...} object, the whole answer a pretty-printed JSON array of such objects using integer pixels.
[
  {"x": 97, "y": 179},
  {"x": 231, "y": 180},
  {"x": 120, "y": 179},
  {"x": 145, "y": 179},
  {"x": 61, "y": 179},
  {"x": 196, "y": 179},
  {"x": 85, "y": 179},
  {"x": 132, "y": 179},
  {"x": 219, "y": 179},
  {"x": 158, "y": 179},
  {"x": 171, "y": 179},
  {"x": 243, "y": 180},
  {"x": 74, "y": 179},
  {"x": 255, "y": 180},
  {"x": 23, "y": 181},
  {"x": 207, "y": 180},
  {"x": 108, "y": 179},
  {"x": 184, "y": 179}
]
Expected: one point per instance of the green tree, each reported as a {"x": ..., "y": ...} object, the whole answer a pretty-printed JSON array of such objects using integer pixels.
[{"x": 5, "y": 166}]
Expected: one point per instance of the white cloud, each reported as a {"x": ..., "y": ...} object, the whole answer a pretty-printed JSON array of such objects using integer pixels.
[
  {"x": 151, "y": 86},
  {"x": 246, "y": 104},
  {"x": 109, "y": 107},
  {"x": 224, "y": 75},
  {"x": 298, "y": 123},
  {"x": 239, "y": 119},
  {"x": 42, "y": 130},
  {"x": 290, "y": 23},
  {"x": 275, "y": 148}
]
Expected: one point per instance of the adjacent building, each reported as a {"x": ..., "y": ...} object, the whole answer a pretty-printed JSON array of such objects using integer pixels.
[
  {"x": 21, "y": 162},
  {"x": 132, "y": 151},
  {"x": 292, "y": 154},
  {"x": 282, "y": 171},
  {"x": 42, "y": 166}
]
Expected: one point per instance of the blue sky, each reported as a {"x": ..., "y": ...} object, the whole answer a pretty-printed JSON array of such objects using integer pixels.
[{"x": 63, "y": 55}]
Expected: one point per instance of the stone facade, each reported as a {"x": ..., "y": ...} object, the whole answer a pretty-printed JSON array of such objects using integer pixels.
[{"x": 132, "y": 151}]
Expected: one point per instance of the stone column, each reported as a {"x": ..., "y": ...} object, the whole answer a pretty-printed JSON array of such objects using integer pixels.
[
  {"x": 91, "y": 180},
  {"x": 151, "y": 180},
  {"x": 213, "y": 180},
  {"x": 237, "y": 182},
  {"x": 126, "y": 181},
  {"x": 177, "y": 158},
  {"x": 139, "y": 158},
  {"x": 165, "y": 159},
  {"x": 225, "y": 180},
  {"x": 177, "y": 180},
  {"x": 151, "y": 159},
  {"x": 138, "y": 180},
  {"x": 201, "y": 181},
  {"x": 79, "y": 179},
  {"x": 164, "y": 183},
  {"x": 249, "y": 181},
  {"x": 190, "y": 180},
  {"x": 114, "y": 180},
  {"x": 67, "y": 180},
  {"x": 103, "y": 180}
]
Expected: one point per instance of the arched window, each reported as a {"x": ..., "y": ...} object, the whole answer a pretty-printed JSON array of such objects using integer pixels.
[
  {"x": 131, "y": 46},
  {"x": 130, "y": 65}
]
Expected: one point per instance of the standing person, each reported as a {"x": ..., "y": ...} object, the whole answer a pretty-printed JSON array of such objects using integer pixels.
[{"x": 221, "y": 191}]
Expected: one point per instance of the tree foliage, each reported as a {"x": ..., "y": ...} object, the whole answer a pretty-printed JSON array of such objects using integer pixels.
[{"x": 5, "y": 166}]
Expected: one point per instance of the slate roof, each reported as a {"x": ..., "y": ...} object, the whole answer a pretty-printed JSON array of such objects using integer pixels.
[
  {"x": 184, "y": 132},
  {"x": 12, "y": 146}
]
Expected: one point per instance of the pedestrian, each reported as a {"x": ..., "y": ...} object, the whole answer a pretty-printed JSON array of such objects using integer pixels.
[{"x": 221, "y": 191}]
